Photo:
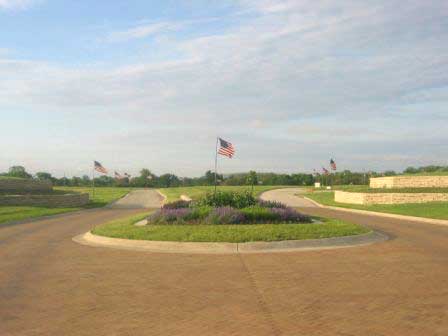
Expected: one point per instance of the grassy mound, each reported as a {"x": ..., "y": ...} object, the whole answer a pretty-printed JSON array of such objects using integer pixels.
[
  {"x": 226, "y": 208},
  {"x": 125, "y": 228}
]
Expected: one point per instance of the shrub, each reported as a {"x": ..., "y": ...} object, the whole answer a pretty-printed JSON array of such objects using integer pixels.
[
  {"x": 257, "y": 214},
  {"x": 171, "y": 216},
  {"x": 228, "y": 199},
  {"x": 289, "y": 215},
  {"x": 177, "y": 205},
  {"x": 179, "y": 216},
  {"x": 225, "y": 215},
  {"x": 271, "y": 204}
]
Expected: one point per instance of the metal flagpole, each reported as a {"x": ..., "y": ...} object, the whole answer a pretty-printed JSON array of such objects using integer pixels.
[{"x": 216, "y": 162}]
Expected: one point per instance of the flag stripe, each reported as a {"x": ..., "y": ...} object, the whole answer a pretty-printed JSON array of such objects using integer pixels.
[
  {"x": 99, "y": 167},
  {"x": 226, "y": 148}
]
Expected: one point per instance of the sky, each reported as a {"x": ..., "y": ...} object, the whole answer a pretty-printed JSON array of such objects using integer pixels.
[{"x": 291, "y": 83}]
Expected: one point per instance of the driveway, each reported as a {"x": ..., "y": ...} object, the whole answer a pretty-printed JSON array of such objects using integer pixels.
[
  {"x": 139, "y": 199},
  {"x": 50, "y": 285}
]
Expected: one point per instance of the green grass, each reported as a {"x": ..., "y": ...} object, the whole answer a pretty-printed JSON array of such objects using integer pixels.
[
  {"x": 17, "y": 213},
  {"x": 174, "y": 194},
  {"x": 436, "y": 173},
  {"x": 103, "y": 195},
  {"x": 367, "y": 189},
  {"x": 125, "y": 228},
  {"x": 437, "y": 210}
]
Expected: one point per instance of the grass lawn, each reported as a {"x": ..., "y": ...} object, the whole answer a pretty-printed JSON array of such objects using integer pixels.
[
  {"x": 436, "y": 173},
  {"x": 125, "y": 228},
  {"x": 174, "y": 194},
  {"x": 103, "y": 196},
  {"x": 367, "y": 189},
  {"x": 16, "y": 213},
  {"x": 437, "y": 210}
]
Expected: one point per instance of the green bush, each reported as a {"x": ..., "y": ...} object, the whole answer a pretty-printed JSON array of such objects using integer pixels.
[
  {"x": 259, "y": 214},
  {"x": 237, "y": 200}
]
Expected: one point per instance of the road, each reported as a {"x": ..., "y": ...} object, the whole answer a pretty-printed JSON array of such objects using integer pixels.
[
  {"x": 138, "y": 199},
  {"x": 50, "y": 285}
]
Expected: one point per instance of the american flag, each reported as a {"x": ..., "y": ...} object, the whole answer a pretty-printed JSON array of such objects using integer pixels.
[
  {"x": 325, "y": 170},
  {"x": 99, "y": 167},
  {"x": 118, "y": 176},
  {"x": 333, "y": 164},
  {"x": 226, "y": 148},
  {"x": 127, "y": 175}
]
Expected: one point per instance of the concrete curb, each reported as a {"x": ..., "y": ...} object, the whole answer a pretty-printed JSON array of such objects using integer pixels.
[
  {"x": 90, "y": 239},
  {"x": 163, "y": 196},
  {"x": 383, "y": 214}
]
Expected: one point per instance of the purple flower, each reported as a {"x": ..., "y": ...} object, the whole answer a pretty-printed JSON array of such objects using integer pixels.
[
  {"x": 170, "y": 215},
  {"x": 290, "y": 215},
  {"x": 225, "y": 215},
  {"x": 271, "y": 204}
]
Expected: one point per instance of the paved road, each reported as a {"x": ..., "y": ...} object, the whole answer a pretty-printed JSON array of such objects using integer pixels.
[
  {"x": 289, "y": 197},
  {"x": 139, "y": 199},
  {"x": 50, "y": 285}
]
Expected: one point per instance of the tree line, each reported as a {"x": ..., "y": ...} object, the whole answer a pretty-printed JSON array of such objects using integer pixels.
[{"x": 146, "y": 179}]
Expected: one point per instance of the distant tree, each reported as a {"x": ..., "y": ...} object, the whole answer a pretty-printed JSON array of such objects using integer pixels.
[
  {"x": 252, "y": 178},
  {"x": 86, "y": 180},
  {"x": 410, "y": 170},
  {"x": 390, "y": 173},
  {"x": 18, "y": 171},
  {"x": 43, "y": 176},
  {"x": 168, "y": 180},
  {"x": 146, "y": 173},
  {"x": 76, "y": 181},
  {"x": 209, "y": 177}
]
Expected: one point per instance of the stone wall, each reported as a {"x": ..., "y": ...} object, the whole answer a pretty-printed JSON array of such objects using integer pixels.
[
  {"x": 52, "y": 201},
  {"x": 409, "y": 182},
  {"x": 11, "y": 185},
  {"x": 388, "y": 198}
]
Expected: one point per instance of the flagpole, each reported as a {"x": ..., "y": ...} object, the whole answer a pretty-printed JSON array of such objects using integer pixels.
[{"x": 216, "y": 162}]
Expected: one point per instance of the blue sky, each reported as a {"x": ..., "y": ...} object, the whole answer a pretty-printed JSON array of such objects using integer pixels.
[{"x": 291, "y": 83}]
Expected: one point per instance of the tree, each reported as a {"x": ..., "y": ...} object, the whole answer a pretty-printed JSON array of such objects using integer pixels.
[
  {"x": 146, "y": 173},
  {"x": 252, "y": 178},
  {"x": 43, "y": 176},
  {"x": 168, "y": 180},
  {"x": 410, "y": 170},
  {"x": 86, "y": 180},
  {"x": 18, "y": 171}
]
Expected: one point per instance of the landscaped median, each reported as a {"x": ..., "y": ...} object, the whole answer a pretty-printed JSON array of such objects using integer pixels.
[{"x": 251, "y": 227}]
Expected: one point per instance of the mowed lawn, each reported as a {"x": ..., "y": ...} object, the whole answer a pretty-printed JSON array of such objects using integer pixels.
[
  {"x": 437, "y": 210},
  {"x": 125, "y": 228},
  {"x": 17, "y": 213},
  {"x": 174, "y": 194},
  {"x": 103, "y": 196}
]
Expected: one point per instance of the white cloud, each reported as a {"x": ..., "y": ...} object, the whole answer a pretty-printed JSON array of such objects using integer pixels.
[
  {"x": 16, "y": 4},
  {"x": 142, "y": 31},
  {"x": 308, "y": 79}
]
